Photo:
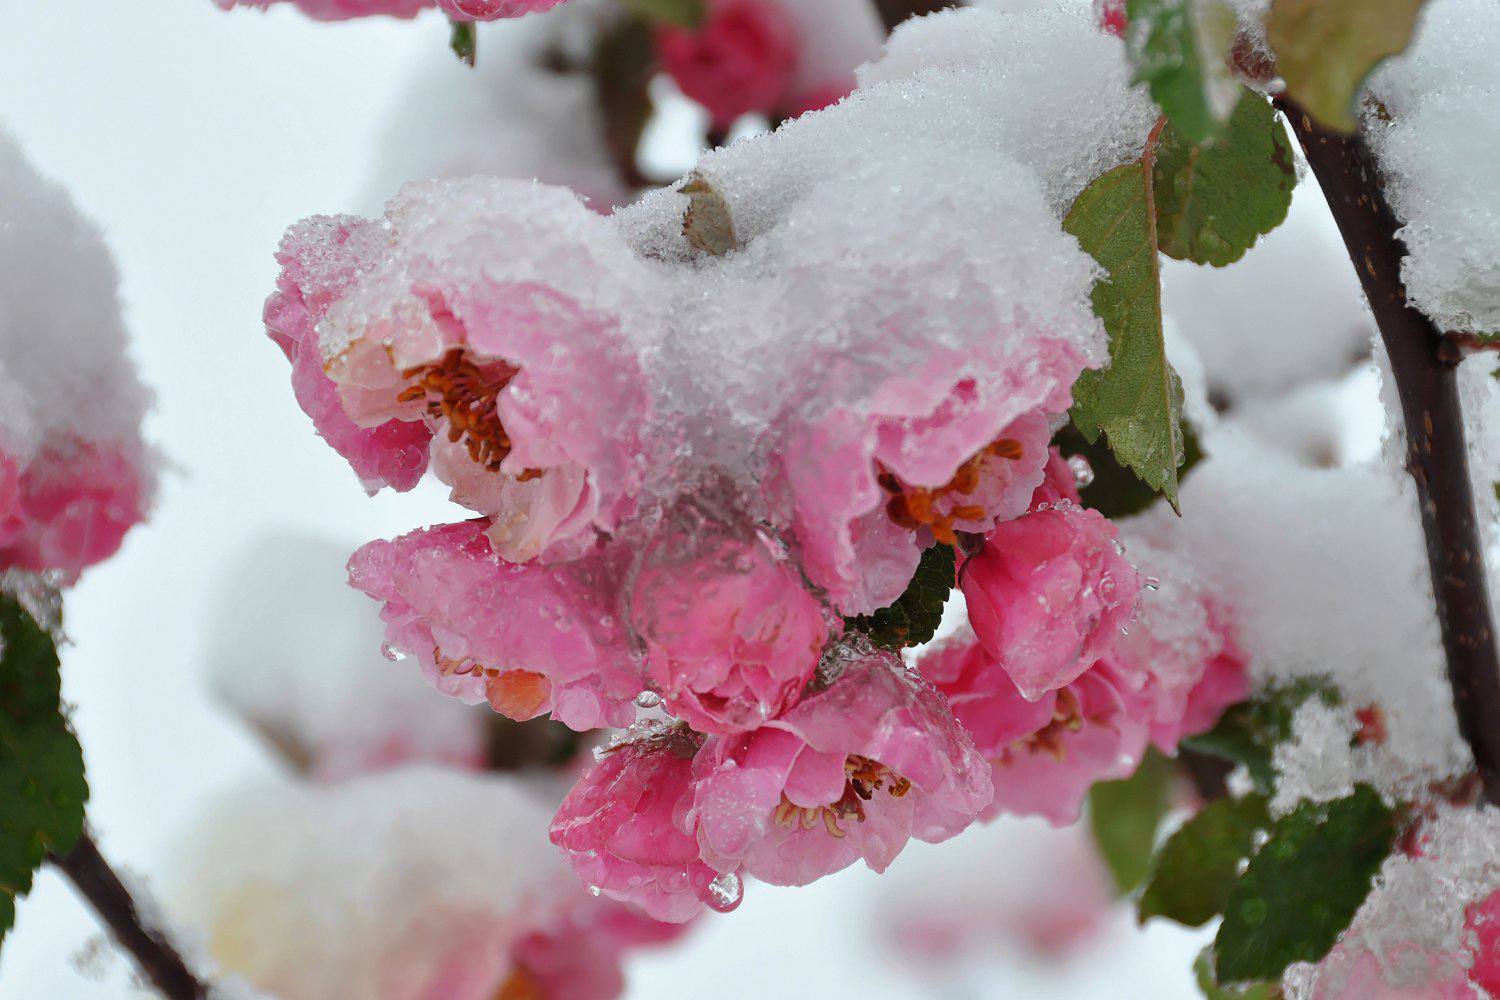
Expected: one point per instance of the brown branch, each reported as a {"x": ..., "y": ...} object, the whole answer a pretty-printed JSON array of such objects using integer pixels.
[
  {"x": 893, "y": 12},
  {"x": 87, "y": 869},
  {"x": 1426, "y": 377}
]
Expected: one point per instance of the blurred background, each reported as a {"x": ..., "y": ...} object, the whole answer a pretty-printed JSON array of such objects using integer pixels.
[{"x": 194, "y": 137}]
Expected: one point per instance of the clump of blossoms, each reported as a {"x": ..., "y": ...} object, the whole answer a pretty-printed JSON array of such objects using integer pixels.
[
  {"x": 708, "y": 453},
  {"x": 75, "y": 475}
]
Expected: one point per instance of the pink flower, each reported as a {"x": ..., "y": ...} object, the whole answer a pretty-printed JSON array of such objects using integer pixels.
[
  {"x": 1049, "y": 593},
  {"x": 1048, "y": 752},
  {"x": 70, "y": 505},
  {"x": 464, "y": 10},
  {"x": 533, "y": 406},
  {"x": 623, "y": 826},
  {"x": 740, "y": 59},
  {"x": 1111, "y": 16},
  {"x": 526, "y": 638},
  {"x": 818, "y": 97},
  {"x": 852, "y": 771},
  {"x": 1224, "y": 682},
  {"x": 1483, "y": 926},
  {"x": 732, "y": 635}
]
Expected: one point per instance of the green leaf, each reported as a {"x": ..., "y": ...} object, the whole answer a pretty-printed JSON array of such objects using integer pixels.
[
  {"x": 915, "y": 615},
  {"x": 1197, "y": 867},
  {"x": 1208, "y": 984},
  {"x": 1325, "y": 49},
  {"x": 42, "y": 788},
  {"x": 463, "y": 39},
  {"x": 1125, "y": 815},
  {"x": 707, "y": 225},
  {"x": 1115, "y": 491},
  {"x": 682, "y": 13},
  {"x": 1136, "y": 401},
  {"x": 1303, "y": 886},
  {"x": 1180, "y": 49},
  {"x": 1247, "y": 733},
  {"x": 1215, "y": 199}
]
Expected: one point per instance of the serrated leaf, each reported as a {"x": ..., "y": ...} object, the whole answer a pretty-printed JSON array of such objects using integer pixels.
[
  {"x": 1325, "y": 49},
  {"x": 682, "y": 13},
  {"x": 707, "y": 224},
  {"x": 1303, "y": 886},
  {"x": 1215, "y": 199},
  {"x": 914, "y": 617},
  {"x": 42, "y": 787},
  {"x": 1136, "y": 401},
  {"x": 1208, "y": 984},
  {"x": 1198, "y": 866},
  {"x": 1115, "y": 491},
  {"x": 1179, "y": 49},
  {"x": 1124, "y": 816},
  {"x": 1247, "y": 733}
]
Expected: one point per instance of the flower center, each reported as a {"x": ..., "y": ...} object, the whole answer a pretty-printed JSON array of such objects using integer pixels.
[
  {"x": 1067, "y": 717},
  {"x": 465, "y": 395},
  {"x": 917, "y": 506},
  {"x": 863, "y": 777}
]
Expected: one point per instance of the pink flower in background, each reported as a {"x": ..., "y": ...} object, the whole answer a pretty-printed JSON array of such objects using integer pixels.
[
  {"x": 70, "y": 505},
  {"x": 623, "y": 826},
  {"x": 526, "y": 638},
  {"x": 851, "y": 772},
  {"x": 1045, "y": 753},
  {"x": 924, "y": 455},
  {"x": 1483, "y": 924},
  {"x": 533, "y": 407},
  {"x": 1112, "y": 17},
  {"x": 732, "y": 634},
  {"x": 740, "y": 59},
  {"x": 1049, "y": 593},
  {"x": 466, "y": 10}
]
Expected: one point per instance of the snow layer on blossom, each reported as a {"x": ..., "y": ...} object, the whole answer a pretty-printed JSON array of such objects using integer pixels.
[
  {"x": 71, "y": 404},
  {"x": 410, "y": 885},
  {"x": 294, "y": 653},
  {"x": 1417, "y": 935},
  {"x": 1439, "y": 151},
  {"x": 514, "y": 114},
  {"x": 1325, "y": 569}
]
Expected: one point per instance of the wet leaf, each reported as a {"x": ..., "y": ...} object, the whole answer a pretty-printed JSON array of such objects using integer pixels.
[
  {"x": 1179, "y": 49},
  {"x": 1198, "y": 866},
  {"x": 915, "y": 615},
  {"x": 1124, "y": 816},
  {"x": 707, "y": 224}
]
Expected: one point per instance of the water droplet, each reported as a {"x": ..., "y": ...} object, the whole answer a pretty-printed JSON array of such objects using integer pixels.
[
  {"x": 594, "y": 890},
  {"x": 724, "y": 893},
  {"x": 391, "y": 652},
  {"x": 647, "y": 699},
  {"x": 1152, "y": 583}
]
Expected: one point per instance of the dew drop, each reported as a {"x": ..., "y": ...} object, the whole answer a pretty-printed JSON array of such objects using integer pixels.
[
  {"x": 1083, "y": 472},
  {"x": 391, "y": 652},
  {"x": 647, "y": 699},
  {"x": 724, "y": 893},
  {"x": 1152, "y": 583},
  {"x": 594, "y": 890}
]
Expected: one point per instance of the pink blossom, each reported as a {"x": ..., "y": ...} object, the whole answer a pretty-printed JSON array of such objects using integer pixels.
[
  {"x": 1483, "y": 926},
  {"x": 70, "y": 504},
  {"x": 462, "y": 10},
  {"x": 740, "y": 59},
  {"x": 818, "y": 97},
  {"x": 1224, "y": 682},
  {"x": 623, "y": 825},
  {"x": 1049, "y": 593},
  {"x": 578, "y": 956},
  {"x": 532, "y": 405},
  {"x": 1111, "y": 16},
  {"x": 1045, "y": 753},
  {"x": 526, "y": 638},
  {"x": 852, "y": 771},
  {"x": 732, "y": 634},
  {"x": 930, "y": 452}
]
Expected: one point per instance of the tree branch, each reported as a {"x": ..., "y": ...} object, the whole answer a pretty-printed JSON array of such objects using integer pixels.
[
  {"x": 87, "y": 869},
  {"x": 1426, "y": 377}
]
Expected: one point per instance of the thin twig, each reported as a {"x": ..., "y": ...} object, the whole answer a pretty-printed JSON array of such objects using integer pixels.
[
  {"x": 1426, "y": 377},
  {"x": 161, "y": 963}
]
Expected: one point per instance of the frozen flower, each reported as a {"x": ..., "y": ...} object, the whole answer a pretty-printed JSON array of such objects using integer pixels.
[
  {"x": 533, "y": 407},
  {"x": 1049, "y": 593},
  {"x": 461, "y": 10},
  {"x": 742, "y": 58},
  {"x": 623, "y": 826},
  {"x": 851, "y": 772},
  {"x": 732, "y": 634},
  {"x": 1224, "y": 681},
  {"x": 927, "y": 454},
  {"x": 526, "y": 638},
  {"x": 1048, "y": 752}
]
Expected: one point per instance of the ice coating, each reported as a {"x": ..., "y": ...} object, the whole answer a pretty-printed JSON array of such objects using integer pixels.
[
  {"x": 1437, "y": 151},
  {"x": 74, "y": 472},
  {"x": 411, "y": 885}
]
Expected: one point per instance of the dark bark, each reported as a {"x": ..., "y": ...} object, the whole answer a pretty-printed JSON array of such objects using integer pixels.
[
  {"x": 157, "y": 959},
  {"x": 1425, "y": 365},
  {"x": 893, "y": 12}
]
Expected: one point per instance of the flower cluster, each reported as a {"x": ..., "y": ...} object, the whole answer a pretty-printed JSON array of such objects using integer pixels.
[
  {"x": 458, "y": 10},
  {"x": 75, "y": 475}
]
